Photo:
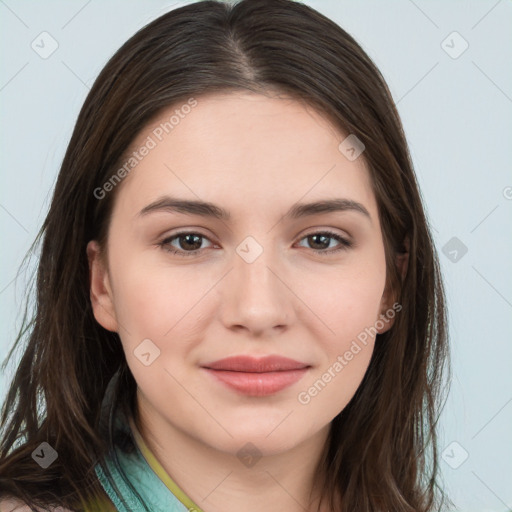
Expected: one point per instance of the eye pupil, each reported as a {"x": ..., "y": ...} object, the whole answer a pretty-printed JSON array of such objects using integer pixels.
[
  {"x": 188, "y": 238},
  {"x": 324, "y": 244}
]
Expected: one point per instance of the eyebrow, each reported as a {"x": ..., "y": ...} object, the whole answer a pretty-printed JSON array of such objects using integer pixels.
[{"x": 206, "y": 209}]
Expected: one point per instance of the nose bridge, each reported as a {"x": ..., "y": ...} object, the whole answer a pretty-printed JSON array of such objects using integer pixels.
[
  {"x": 256, "y": 296},
  {"x": 255, "y": 265}
]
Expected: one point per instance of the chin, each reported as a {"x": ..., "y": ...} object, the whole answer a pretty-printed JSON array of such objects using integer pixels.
[{"x": 256, "y": 437}]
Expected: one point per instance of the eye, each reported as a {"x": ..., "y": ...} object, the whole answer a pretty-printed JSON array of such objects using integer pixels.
[
  {"x": 321, "y": 239},
  {"x": 186, "y": 240},
  {"x": 190, "y": 243}
]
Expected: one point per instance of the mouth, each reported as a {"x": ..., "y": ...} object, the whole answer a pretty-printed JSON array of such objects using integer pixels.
[{"x": 253, "y": 376}]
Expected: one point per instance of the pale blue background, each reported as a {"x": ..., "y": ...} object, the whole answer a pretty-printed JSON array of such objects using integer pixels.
[{"x": 457, "y": 115}]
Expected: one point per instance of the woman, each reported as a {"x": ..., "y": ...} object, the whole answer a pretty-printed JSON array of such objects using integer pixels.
[{"x": 238, "y": 294}]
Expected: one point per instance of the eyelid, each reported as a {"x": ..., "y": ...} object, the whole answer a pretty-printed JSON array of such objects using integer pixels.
[
  {"x": 310, "y": 231},
  {"x": 332, "y": 231}
]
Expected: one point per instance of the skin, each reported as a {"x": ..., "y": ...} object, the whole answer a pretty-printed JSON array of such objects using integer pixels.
[{"x": 255, "y": 156}]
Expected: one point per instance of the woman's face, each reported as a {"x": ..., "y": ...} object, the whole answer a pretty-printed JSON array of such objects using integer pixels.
[{"x": 263, "y": 279}]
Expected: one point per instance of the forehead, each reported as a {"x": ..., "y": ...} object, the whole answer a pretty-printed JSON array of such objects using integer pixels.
[{"x": 243, "y": 149}]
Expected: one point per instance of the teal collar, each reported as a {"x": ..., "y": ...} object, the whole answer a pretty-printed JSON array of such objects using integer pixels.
[{"x": 126, "y": 476}]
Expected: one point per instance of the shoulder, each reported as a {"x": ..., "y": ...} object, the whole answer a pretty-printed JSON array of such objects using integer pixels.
[{"x": 15, "y": 505}]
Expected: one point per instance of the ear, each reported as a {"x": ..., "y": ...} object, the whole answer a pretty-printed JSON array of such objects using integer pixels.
[
  {"x": 387, "y": 301},
  {"x": 101, "y": 295}
]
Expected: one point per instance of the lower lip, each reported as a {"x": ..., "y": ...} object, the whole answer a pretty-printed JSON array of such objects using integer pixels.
[{"x": 258, "y": 384}]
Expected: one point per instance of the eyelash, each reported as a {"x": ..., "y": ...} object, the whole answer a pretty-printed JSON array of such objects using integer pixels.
[{"x": 344, "y": 244}]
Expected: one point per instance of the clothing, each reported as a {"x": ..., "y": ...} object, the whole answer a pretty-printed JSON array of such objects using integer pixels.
[{"x": 130, "y": 474}]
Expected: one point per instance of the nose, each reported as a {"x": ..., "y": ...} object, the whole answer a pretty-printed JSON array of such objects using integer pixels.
[{"x": 256, "y": 296}]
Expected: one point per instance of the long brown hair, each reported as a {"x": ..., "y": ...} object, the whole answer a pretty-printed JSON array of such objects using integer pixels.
[{"x": 381, "y": 454}]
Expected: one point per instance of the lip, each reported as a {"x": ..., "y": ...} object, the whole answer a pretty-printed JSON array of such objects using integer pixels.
[{"x": 253, "y": 376}]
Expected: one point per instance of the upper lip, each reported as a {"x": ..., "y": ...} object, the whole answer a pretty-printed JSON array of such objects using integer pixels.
[{"x": 256, "y": 364}]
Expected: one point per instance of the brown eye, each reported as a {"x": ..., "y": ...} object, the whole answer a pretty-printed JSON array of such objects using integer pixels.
[
  {"x": 321, "y": 241},
  {"x": 189, "y": 243}
]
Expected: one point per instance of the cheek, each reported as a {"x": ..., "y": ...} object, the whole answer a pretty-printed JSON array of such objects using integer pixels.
[
  {"x": 350, "y": 307},
  {"x": 152, "y": 297},
  {"x": 153, "y": 303},
  {"x": 336, "y": 383},
  {"x": 161, "y": 304},
  {"x": 346, "y": 301},
  {"x": 350, "y": 313}
]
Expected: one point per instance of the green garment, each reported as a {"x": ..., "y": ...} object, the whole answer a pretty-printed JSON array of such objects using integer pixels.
[{"x": 131, "y": 475}]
